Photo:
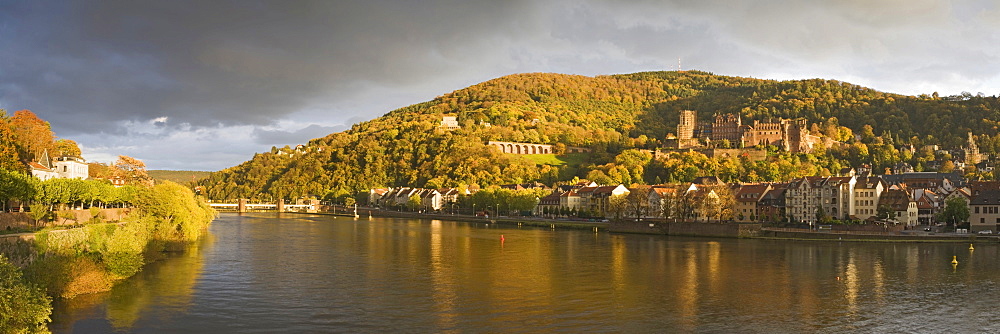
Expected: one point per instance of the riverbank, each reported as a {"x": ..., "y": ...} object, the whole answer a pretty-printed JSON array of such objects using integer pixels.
[
  {"x": 20, "y": 222},
  {"x": 98, "y": 252},
  {"x": 757, "y": 231},
  {"x": 696, "y": 229},
  {"x": 503, "y": 220},
  {"x": 912, "y": 236}
]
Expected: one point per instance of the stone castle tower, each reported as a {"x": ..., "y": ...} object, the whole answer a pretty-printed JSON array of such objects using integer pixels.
[
  {"x": 685, "y": 129},
  {"x": 688, "y": 122},
  {"x": 972, "y": 155}
]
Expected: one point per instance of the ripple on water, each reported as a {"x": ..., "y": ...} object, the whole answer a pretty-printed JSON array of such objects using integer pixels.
[{"x": 318, "y": 274}]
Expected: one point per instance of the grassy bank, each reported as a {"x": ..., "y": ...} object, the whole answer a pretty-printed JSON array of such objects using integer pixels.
[{"x": 91, "y": 258}]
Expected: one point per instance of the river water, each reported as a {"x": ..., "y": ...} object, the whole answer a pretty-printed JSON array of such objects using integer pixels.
[{"x": 293, "y": 273}]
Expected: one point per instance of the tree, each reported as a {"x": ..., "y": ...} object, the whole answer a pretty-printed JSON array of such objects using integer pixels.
[
  {"x": 33, "y": 134},
  {"x": 10, "y": 159},
  {"x": 883, "y": 212},
  {"x": 413, "y": 202},
  {"x": 15, "y": 186},
  {"x": 637, "y": 202},
  {"x": 66, "y": 147},
  {"x": 822, "y": 217},
  {"x": 726, "y": 201},
  {"x": 132, "y": 170},
  {"x": 947, "y": 167},
  {"x": 617, "y": 204},
  {"x": 956, "y": 212}
]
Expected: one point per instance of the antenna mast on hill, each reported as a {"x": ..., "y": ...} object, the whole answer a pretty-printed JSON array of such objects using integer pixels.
[{"x": 678, "y": 64}]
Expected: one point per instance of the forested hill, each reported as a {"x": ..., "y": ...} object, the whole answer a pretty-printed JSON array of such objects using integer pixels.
[{"x": 611, "y": 114}]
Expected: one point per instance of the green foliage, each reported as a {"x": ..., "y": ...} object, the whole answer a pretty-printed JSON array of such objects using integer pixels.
[
  {"x": 24, "y": 308},
  {"x": 39, "y": 212},
  {"x": 95, "y": 215},
  {"x": 91, "y": 258},
  {"x": 504, "y": 200},
  {"x": 413, "y": 202},
  {"x": 66, "y": 216},
  {"x": 611, "y": 115},
  {"x": 15, "y": 185},
  {"x": 122, "y": 253},
  {"x": 956, "y": 211},
  {"x": 176, "y": 213},
  {"x": 177, "y": 176},
  {"x": 572, "y": 159}
]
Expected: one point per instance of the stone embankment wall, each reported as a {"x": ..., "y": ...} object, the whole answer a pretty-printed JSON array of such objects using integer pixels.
[
  {"x": 22, "y": 220},
  {"x": 694, "y": 229},
  {"x": 869, "y": 228},
  {"x": 887, "y": 236}
]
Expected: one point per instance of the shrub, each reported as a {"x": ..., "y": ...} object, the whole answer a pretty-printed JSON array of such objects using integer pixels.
[
  {"x": 39, "y": 212},
  {"x": 24, "y": 308},
  {"x": 95, "y": 215}
]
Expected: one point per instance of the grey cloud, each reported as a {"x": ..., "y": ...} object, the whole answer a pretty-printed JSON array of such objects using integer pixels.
[
  {"x": 95, "y": 67},
  {"x": 230, "y": 63},
  {"x": 279, "y": 137}
]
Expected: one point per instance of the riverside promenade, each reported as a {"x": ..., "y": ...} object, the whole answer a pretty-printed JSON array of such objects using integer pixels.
[
  {"x": 695, "y": 229},
  {"x": 581, "y": 224}
]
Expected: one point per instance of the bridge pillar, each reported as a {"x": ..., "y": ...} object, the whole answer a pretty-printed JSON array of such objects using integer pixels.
[
  {"x": 241, "y": 205},
  {"x": 281, "y": 205}
]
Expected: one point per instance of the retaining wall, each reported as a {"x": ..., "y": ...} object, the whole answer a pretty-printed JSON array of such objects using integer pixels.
[
  {"x": 694, "y": 229},
  {"x": 22, "y": 220}
]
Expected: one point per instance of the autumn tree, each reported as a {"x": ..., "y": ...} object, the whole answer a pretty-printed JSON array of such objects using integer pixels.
[
  {"x": 66, "y": 147},
  {"x": 132, "y": 170},
  {"x": 947, "y": 167},
  {"x": 33, "y": 134},
  {"x": 637, "y": 202},
  {"x": 10, "y": 158}
]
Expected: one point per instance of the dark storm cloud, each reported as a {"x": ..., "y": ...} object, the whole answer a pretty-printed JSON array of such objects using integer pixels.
[
  {"x": 124, "y": 76},
  {"x": 240, "y": 62}
]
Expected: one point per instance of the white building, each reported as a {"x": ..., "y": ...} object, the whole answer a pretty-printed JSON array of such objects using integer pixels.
[{"x": 72, "y": 168}]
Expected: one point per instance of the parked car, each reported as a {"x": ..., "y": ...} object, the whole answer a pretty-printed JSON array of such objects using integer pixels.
[{"x": 986, "y": 232}]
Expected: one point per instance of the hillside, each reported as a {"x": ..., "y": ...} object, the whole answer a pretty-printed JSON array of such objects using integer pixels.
[
  {"x": 178, "y": 176},
  {"x": 611, "y": 115}
]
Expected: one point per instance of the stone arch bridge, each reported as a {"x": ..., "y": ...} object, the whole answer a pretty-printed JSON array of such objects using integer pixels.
[
  {"x": 529, "y": 148},
  {"x": 521, "y": 148}
]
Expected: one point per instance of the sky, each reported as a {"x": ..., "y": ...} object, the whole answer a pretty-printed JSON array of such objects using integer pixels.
[{"x": 203, "y": 85}]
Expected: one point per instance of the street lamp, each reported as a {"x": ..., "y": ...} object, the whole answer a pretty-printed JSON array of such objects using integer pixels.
[{"x": 473, "y": 209}]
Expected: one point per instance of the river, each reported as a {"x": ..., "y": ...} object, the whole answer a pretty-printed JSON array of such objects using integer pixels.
[{"x": 294, "y": 273}]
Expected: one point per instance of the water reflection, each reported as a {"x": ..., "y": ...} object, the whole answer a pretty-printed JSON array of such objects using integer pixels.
[
  {"x": 305, "y": 273},
  {"x": 165, "y": 287}
]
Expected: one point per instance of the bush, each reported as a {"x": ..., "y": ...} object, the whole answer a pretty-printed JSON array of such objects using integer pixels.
[
  {"x": 176, "y": 214},
  {"x": 39, "y": 212},
  {"x": 95, "y": 215},
  {"x": 24, "y": 308},
  {"x": 123, "y": 264}
]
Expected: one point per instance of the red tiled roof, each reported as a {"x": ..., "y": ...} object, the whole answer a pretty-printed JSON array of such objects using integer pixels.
[{"x": 35, "y": 165}]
